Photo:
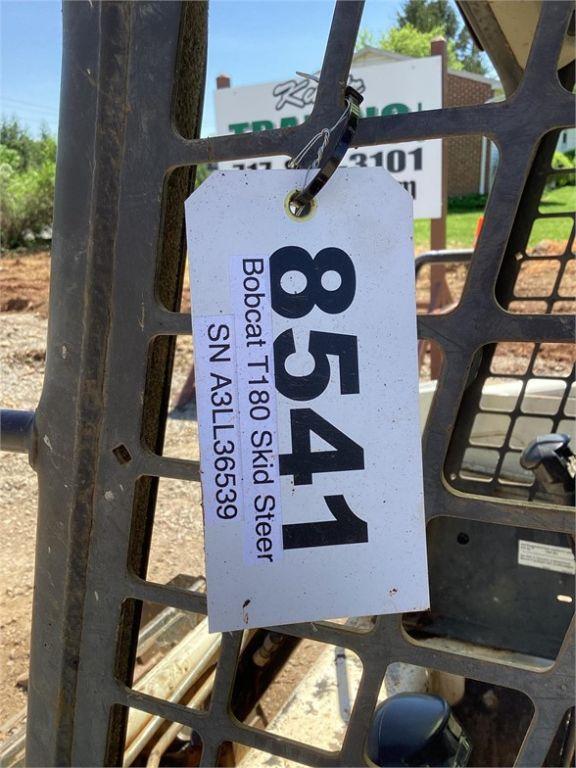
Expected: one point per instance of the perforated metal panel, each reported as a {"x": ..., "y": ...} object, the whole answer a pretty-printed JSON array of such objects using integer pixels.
[{"x": 133, "y": 79}]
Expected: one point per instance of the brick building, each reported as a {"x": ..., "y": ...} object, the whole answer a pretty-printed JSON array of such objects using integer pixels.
[{"x": 468, "y": 157}]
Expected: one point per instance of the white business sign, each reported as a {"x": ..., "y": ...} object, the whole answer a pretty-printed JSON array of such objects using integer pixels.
[
  {"x": 387, "y": 88},
  {"x": 307, "y": 394}
]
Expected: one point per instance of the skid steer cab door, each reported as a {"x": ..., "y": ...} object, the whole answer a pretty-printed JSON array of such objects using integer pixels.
[{"x": 128, "y": 148}]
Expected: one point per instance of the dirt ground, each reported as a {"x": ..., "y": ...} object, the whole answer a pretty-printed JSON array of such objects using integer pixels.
[
  {"x": 24, "y": 283},
  {"x": 22, "y": 352},
  {"x": 23, "y": 323}
]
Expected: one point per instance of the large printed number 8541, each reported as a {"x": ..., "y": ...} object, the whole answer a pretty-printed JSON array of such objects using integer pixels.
[{"x": 302, "y": 463}]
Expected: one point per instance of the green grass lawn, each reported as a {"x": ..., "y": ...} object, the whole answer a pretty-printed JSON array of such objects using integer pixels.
[{"x": 462, "y": 224}]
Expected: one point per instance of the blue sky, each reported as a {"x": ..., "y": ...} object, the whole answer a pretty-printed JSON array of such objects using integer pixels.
[{"x": 250, "y": 41}]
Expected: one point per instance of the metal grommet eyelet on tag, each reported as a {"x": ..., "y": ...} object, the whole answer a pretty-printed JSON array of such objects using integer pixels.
[
  {"x": 303, "y": 198},
  {"x": 296, "y": 211}
]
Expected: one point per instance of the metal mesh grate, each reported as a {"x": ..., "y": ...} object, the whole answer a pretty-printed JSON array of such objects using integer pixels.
[
  {"x": 132, "y": 86},
  {"x": 521, "y": 389},
  {"x": 510, "y": 410}
]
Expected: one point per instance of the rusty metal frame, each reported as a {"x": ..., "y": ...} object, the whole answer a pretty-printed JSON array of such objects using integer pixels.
[{"x": 133, "y": 78}]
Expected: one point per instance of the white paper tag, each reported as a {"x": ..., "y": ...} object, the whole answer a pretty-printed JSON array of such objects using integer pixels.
[
  {"x": 546, "y": 556},
  {"x": 307, "y": 394}
]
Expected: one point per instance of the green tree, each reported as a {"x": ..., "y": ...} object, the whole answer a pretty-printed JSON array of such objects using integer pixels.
[
  {"x": 418, "y": 23},
  {"x": 32, "y": 152},
  {"x": 427, "y": 15},
  {"x": 468, "y": 54},
  {"x": 27, "y": 172},
  {"x": 412, "y": 42}
]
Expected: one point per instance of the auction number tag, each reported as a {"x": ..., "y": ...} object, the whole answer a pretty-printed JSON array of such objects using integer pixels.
[{"x": 305, "y": 349}]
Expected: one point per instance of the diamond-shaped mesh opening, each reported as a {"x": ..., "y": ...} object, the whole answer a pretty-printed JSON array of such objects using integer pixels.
[
  {"x": 446, "y": 279},
  {"x": 152, "y": 741},
  {"x": 228, "y": 56},
  {"x": 309, "y": 699},
  {"x": 174, "y": 649},
  {"x": 177, "y": 539}
]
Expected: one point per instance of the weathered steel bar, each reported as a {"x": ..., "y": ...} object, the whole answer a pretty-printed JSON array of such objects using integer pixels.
[{"x": 338, "y": 58}]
